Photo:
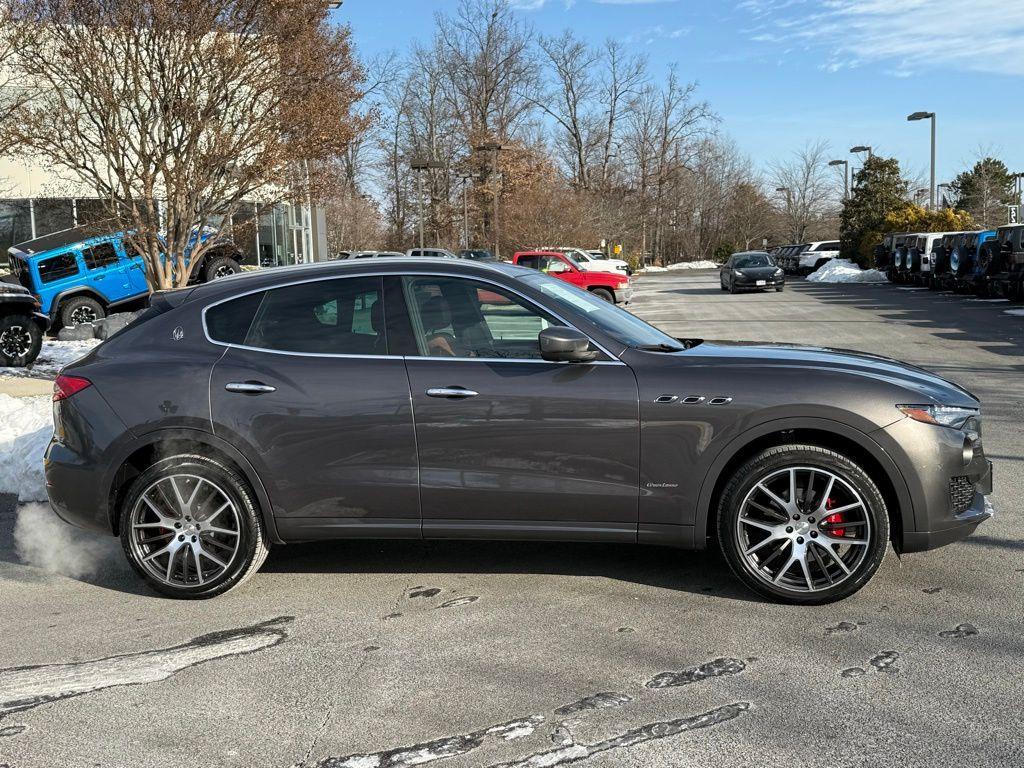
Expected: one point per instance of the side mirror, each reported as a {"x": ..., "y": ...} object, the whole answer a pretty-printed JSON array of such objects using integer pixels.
[
  {"x": 557, "y": 267},
  {"x": 559, "y": 344}
]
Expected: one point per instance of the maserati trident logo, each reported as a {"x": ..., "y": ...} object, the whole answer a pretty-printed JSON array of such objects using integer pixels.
[{"x": 178, "y": 333}]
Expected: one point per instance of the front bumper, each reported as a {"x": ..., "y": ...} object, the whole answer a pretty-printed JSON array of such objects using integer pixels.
[
  {"x": 624, "y": 294},
  {"x": 751, "y": 283},
  {"x": 948, "y": 494}
]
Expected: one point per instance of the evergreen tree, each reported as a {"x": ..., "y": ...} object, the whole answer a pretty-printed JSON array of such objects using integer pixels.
[
  {"x": 984, "y": 191},
  {"x": 878, "y": 190}
]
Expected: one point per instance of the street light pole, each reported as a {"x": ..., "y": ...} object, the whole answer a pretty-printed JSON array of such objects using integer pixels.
[
  {"x": 465, "y": 211},
  {"x": 420, "y": 164},
  {"x": 494, "y": 148},
  {"x": 928, "y": 116},
  {"x": 846, "y": 176}
]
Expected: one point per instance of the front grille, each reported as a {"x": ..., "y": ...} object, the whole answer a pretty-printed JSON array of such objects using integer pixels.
[{"x": 961, "y": 494}]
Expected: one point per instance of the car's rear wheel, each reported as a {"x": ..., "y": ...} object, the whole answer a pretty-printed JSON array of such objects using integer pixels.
[
  {"x": 220, "y": 266},
  {"x": 803, "y": 524},
  {"x": 21, "y": 338},
  {"x": 604, "y": 293},
  {"x": 191, "y": 528},
  {"x": 81, "y": 309}
]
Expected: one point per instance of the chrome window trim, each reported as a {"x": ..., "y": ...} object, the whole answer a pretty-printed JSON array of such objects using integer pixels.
[{"x": 613, "y": 360}]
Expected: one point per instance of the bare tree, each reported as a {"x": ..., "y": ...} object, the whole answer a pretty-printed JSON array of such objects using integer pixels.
[
  {"x": 13, "y": 90},
  {"x": 623, "y": 77},
  {"x": 177, "y": 111},
  {"x": 807, "y": 189},
  {"x": 568, "y": 101}
]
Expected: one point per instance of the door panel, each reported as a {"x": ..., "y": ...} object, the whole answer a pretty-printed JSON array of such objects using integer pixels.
[
  {"x": 332, "y": 432},
  {"x": 539, "y": 443}
]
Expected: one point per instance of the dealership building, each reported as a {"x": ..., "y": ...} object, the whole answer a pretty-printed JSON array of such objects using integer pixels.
[{"x": 35, "y": 201}]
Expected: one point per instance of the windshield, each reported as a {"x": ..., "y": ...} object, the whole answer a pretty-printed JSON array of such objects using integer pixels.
[
  {"x": 754, "y": 260},
  {"x": 617, "y": 323}
]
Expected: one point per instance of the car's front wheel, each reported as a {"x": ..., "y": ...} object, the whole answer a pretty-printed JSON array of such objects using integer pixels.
[
  {"x": 191, "y": 528},
  {"x": 604, "y": 293},
  {"x": 803, "y": 524},
  {"x": 21, "y": 338}
]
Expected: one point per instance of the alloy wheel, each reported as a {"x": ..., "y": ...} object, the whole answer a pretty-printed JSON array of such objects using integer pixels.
[
  {"x": 81, "y": 315},
  {"x": 185, "y": 530},
  {"x": 223, "y": 271},
  {"x": 803, "y": 529},
  {"x": 15, "y": 341}
]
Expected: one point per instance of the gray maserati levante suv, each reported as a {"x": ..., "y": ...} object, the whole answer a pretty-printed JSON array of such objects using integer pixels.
[{"x": 423, "y": 398}]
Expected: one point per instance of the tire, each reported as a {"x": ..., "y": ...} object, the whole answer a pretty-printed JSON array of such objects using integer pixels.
[
  {"x": 220, "y": 266},
  {"x": 732, "y": 288},
  {"x": 81, "y": 309},
  {"x": 21, "y": 338},
  {"x": 723, "y": 285},
  {"x": 604, "y": 293},
  {"x": 239, "y": 543},
  {"x": 825, "y": 580},
  {"x": 779, "y": 289}
]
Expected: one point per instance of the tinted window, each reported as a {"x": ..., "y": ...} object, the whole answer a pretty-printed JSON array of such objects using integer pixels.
[
  {"x": 453, "y": 317},
  {"x": 102, "y": 255},
  {"x": 229, "y": 322},
  {"x": 337, "y": 317},
  {"x": 753, "y": 260},
  {"x": 57, "y": 267}
]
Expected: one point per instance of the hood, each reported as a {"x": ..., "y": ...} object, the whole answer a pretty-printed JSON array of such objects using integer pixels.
[
  {"x": 930, "y": 387},
  {"x": 757, "y": 271}
]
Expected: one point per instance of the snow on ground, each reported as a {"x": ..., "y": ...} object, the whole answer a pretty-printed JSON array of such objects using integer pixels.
[
  {"x": 845, "y": 271},
  {"x": 683, "y": 265},
  {"x": 1018, "y": 312},
  {"x": 52, "y": 357},
  {"x": 26, "y": 424}
]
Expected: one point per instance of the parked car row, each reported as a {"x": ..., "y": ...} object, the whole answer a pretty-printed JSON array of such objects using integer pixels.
[
  {"x": 988, "y": 262},
  {"x": 473, "y": 254},
  {"x": 804, "y": 258}
]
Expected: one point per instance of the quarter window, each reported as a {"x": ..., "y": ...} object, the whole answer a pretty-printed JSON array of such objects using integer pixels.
[
  {"x": 332, "y": 317},
  {"x": 454, "y": 317},
  {"x": 58, "y": 267},
  {"x": 229, "y": 322}
]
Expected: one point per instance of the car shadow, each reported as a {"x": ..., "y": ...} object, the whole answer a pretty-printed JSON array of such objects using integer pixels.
[{"x": 698, "y": 572}]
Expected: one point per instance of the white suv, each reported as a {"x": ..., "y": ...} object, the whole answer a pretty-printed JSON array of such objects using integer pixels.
[
  {"x": 816, "y": 254},
  {"x": 594, "y": 261},
  {"x": 434, "y": 253}
]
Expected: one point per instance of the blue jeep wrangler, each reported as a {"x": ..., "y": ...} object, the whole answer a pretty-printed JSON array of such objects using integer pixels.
[{"x": 79, "y": 276}]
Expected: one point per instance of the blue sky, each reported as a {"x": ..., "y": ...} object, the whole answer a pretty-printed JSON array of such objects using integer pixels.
[{"x": 781, "y": 73}]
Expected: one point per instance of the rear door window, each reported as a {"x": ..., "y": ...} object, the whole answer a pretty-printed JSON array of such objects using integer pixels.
[
  {"x": 325, "y": 317},
  {"x": 99, "y": 256},
  {"x": 58, "y": 267}
]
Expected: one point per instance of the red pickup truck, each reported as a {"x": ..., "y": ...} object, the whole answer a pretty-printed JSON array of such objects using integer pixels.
[{"x": 609, "y": 286}]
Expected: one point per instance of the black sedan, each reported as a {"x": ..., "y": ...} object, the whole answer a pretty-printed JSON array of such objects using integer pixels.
[
  {"x": 447, "y": 399},
  {"x": 751, "y": 270}
]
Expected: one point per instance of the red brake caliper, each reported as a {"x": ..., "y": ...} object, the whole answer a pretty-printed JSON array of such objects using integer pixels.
[{"x": 834, "y": 518}]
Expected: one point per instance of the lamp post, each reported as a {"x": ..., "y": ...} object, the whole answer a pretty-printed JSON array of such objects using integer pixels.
[
  {"x": 928, "y": 116},
  {"x": 420, "y": 164},
  {"x": 859, "y": 149},
  {"x": 846, "y": 176},
  {"x": 465, "y": 210},
  {"x": 494, "y": 148}
]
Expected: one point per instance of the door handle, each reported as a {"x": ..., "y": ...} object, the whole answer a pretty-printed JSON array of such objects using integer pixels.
[
  {"x": 249, "y": 387},
  {"x": 453, "y": 393}
]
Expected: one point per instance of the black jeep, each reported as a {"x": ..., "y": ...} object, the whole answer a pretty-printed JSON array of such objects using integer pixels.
[{"x": 22, "y": 325}]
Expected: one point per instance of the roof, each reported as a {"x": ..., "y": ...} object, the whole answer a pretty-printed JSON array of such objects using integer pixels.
[
  {"x": 60, "y": 239},
  {"x": 269, "y": 278}
]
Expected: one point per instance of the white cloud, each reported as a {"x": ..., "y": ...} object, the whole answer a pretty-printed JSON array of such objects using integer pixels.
[
  {"x": 908, "y": 35},
  {"x": 649, "y": 35}
]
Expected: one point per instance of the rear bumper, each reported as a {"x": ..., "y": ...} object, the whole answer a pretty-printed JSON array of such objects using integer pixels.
[{"x": 72, "y": 489}]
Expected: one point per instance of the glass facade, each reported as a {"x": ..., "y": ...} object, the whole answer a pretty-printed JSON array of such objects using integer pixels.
[{"x": 267, "y": 235}]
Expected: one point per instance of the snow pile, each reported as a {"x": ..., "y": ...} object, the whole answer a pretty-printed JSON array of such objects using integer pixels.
[
  {"x": 845, "y": 271},
  {"x": 704, "y": 264},
  {"x": 26, "y": 424},
  {"x": 1018, "y": 312},
  {"x": 52, "y": 357}
]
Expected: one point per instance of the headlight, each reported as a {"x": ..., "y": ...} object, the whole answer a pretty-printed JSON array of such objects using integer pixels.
[
  {"x": 951, "y": 416},
  {"x": 739, "y": 273},
  {"x": 778, "y": 272}
]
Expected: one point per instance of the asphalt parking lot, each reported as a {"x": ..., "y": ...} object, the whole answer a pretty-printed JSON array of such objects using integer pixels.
[{"x": 386, "y": 655}]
